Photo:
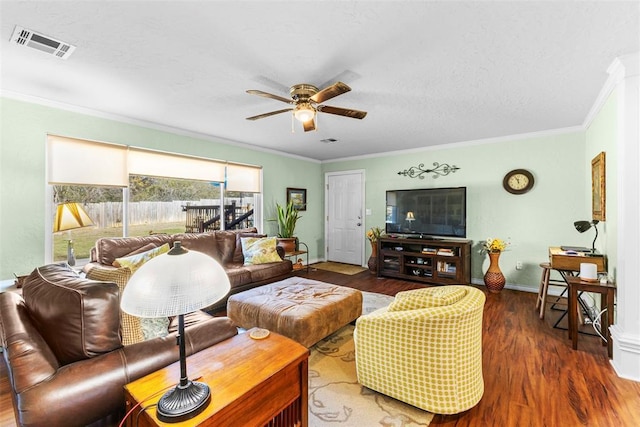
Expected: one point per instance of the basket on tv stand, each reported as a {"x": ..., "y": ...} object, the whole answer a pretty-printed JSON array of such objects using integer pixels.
[{"x": 426, "y": 259}]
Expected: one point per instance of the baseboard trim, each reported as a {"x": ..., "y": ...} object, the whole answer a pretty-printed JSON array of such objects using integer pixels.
[{"x": 626, "y": 354}]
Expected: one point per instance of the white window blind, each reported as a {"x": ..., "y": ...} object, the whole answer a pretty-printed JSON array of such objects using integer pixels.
[
  {"x": 244, "y": 178},
  {"x": 156, "y": 163},
  {"x": 74, "y": 161}
]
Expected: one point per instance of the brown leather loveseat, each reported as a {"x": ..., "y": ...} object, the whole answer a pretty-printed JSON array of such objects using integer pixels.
[{"x": 64, "y": 354}]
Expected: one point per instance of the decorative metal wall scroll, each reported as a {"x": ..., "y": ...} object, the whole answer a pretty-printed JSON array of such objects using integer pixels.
[{"x": 438, "y": 170}]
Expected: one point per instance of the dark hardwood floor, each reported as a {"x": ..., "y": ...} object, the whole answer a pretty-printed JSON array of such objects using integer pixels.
[{"x": 532, "y": 376}]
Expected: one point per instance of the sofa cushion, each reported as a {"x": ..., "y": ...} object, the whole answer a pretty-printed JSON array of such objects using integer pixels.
[
  {"x": 226, "y": 245},
  {"x": 427, "y": 298},
  {"x": 238, "y": 275},
  {"x": 259, "y": 250},
  {"x": 110, "y": 248},
  {"x": 262, "y": 272},
  {"x": 238, "y": 254},
  {"x": 134, "y": 262},
  {"x": 78, "y": 318},
  {"x": 130, "y": 326},
  {"x": 201, "y": 242}
]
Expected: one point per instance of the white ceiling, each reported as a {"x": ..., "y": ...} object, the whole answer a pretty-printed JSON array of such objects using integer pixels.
[{"x": 428, "y": 73}]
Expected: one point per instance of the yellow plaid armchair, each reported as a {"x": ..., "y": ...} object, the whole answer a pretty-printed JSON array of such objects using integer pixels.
[{"x": 425, "y": 348}]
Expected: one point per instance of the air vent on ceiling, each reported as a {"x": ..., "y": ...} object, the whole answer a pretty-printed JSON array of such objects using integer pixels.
[
  {"x": 24, "y": 37},
  {"x": 329, "y": 140}
]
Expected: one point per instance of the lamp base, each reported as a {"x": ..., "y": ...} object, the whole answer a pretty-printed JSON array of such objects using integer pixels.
[
  {"x": 183, "y": 402},
  {"x": 71, "y": 255}
]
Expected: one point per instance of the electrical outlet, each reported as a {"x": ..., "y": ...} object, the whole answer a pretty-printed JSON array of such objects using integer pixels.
[{"x": 518, "y": 265}]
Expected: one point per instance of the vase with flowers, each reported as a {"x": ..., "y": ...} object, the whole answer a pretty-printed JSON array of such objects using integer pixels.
[
  {"x": 373, "y": 234},
  {"x": 494, "y": 280}
]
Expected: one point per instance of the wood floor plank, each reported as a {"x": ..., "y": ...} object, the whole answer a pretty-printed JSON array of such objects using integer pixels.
[{"x": 532, "y": 376}]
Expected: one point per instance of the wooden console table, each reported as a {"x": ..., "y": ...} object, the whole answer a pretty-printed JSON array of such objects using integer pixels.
[
  {"x": 570, "y": 263},
  {"x": 607, "y": 295},
  {"x": 252, "y": 382}
]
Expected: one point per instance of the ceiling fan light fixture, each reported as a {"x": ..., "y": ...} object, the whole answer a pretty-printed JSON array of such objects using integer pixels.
[{"x": 304, "y": 112}]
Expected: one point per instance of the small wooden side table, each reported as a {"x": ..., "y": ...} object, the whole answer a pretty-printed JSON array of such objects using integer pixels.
[
  {"x": 299, "y": 252},
  {"x": 252, "y": 382},
  {"x": 607, "y": 296}
]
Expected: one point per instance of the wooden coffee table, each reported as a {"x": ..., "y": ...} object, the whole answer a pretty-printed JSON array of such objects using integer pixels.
[{"x": 252, "y": 383}]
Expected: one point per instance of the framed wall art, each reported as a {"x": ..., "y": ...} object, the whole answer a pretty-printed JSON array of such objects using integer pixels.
[
  {"x": 598, "y": 187},
  {"x": 299, "y": 198}
]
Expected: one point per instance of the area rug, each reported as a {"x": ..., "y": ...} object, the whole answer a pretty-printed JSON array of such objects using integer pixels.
[
  {"x": 336, "y": 398},
  {"x": 338, "y": 267},
  {"x": 372, "y": 301}
]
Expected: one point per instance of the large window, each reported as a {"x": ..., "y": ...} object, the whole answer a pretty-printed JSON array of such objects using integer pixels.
[
  {"x": 159, "y": 205},
  {"x": 160, "y": 193}
]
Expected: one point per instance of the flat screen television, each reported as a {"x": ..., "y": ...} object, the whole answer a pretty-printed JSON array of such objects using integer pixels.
[{"x": 427, "y": 212}]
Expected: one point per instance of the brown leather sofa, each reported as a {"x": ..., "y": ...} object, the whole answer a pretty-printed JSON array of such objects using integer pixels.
[
  {"x": 62, "y": 347},
  {"x": 224, "y": 246}
]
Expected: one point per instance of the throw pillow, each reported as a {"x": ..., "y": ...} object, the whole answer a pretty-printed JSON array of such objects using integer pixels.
[
  {"x": 129, "y": 325},
  {"x": 238, "y": 255},
  {"x": 140, "y": 250},
  {"x": 259, "y": 250},
  {"x": 427, "y": 298},
  {"x": 134, "y": 262},
  {"x": 154, "y": 327}
]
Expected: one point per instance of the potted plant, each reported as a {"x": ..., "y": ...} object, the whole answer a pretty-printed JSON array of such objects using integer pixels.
[{"x": 287, "y": 217}]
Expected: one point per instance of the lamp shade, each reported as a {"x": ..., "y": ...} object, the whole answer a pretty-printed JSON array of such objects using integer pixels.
[
  {"x": 582, "y": 226},
  {"x": 177, "y": 282},
  {"x": 70, "y": 216},
  {"x": 410, "y": 216}
]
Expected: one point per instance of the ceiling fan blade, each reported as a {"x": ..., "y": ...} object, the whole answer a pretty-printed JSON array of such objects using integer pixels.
[
  {"x": 269, "y": 95},
  {"x": 347, "y": 112},
  {"x": 309, "y": 125},
  {"x": 332, "y": 91},
  {"x": 272, "y": 113}
]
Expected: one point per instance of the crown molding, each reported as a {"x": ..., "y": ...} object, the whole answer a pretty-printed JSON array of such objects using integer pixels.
[
  {"x": 620, "y": 68},
  {"x": 143, "y": 123},
  {"x": 483, "y": 141}
]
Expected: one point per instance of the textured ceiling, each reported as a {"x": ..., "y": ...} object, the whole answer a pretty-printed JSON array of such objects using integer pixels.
[{"x": 427, "y": 73}]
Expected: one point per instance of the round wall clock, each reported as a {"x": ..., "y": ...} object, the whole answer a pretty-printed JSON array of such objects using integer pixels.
[{"x": 518, "y": 181}]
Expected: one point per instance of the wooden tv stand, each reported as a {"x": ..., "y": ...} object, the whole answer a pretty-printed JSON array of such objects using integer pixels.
[{"x": 428, "y": 260}]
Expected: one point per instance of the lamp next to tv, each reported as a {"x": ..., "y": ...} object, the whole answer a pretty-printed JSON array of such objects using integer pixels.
[{"x": 427, "y": 212}]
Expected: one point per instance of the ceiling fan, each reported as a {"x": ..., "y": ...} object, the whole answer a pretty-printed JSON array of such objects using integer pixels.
[{"x": 307, "y": 101}]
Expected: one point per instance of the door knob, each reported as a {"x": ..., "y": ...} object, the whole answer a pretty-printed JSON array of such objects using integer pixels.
[{"x": 358, "y": 224}]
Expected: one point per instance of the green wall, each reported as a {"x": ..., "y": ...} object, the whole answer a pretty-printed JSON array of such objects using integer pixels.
[
  {"x": 601, "y": 136},
  {"x": 24, "y": 127},
  {"x": 532, "y": 222}
]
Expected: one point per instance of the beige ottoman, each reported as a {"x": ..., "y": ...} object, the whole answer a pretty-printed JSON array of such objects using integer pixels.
[{"x": 302, "y": 309}]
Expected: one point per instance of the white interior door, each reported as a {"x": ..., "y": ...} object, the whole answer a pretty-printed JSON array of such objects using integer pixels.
[{"x": 344, "y": 217}]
